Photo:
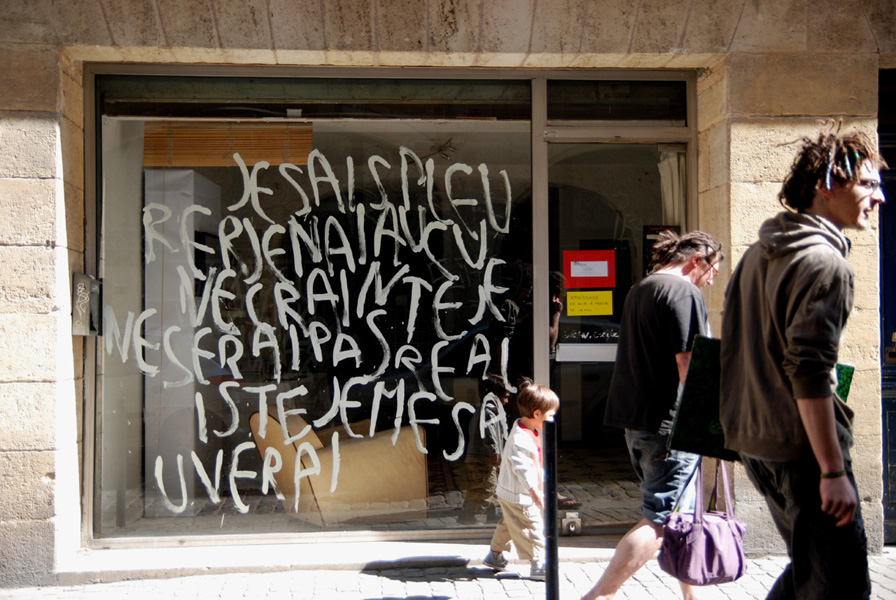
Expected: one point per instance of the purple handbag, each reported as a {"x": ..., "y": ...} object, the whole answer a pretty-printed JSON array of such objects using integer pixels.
[{"x": 706, "y": 547}]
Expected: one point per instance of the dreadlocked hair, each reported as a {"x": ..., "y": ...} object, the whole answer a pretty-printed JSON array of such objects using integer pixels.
[
  {"x": 672, "y": 248},
  {"x": 820, "y": 163}
]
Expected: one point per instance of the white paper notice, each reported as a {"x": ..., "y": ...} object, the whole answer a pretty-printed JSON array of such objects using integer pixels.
[{"x": 589, "y": 268}]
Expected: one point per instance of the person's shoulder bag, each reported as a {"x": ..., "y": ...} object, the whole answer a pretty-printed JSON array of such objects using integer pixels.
[{"x": 705, "y": 547}]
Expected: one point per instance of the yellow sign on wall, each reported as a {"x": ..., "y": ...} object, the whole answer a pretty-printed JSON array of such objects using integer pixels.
[{"x": 580, "y": 304}]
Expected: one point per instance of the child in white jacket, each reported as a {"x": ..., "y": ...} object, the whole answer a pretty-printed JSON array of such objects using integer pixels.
[{"x": 520, "y": 488}]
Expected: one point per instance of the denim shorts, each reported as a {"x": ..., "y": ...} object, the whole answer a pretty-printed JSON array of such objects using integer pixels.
[{"x": 665, "y": 474}]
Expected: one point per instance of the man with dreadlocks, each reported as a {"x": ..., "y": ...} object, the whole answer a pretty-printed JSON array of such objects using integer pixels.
[
  {"x": 662, "y": 315},
  {"x": 785, "y": 309}
]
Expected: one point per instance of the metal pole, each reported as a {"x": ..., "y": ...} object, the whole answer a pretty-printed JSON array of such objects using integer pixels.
[{"x": 552, "y": 579}]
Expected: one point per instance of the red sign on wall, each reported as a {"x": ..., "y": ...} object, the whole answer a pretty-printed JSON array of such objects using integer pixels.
[{"x": 589, "y": 268}]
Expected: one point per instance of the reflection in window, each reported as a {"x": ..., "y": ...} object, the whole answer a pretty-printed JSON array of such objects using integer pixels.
[{"x": 301, "y": 319}]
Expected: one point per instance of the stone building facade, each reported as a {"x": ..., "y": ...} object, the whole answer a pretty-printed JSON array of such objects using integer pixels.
[{"x": 762, "y": 73}]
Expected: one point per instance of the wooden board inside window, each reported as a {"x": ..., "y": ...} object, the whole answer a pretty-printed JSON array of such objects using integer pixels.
[{"x": 176, "y": 144}]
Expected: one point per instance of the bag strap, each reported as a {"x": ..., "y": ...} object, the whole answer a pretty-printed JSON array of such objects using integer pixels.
[
  {"x": 698, "y": 472},
  {"x": 699, "y": 507},
  {"x": 713, "y": 498}
]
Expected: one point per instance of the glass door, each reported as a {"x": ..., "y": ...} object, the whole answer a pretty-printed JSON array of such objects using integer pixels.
[
  {"x": 616, "y": 173},
  {"x": 607, "y": 203}
]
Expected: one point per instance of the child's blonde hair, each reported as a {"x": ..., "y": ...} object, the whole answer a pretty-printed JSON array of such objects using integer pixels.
[{"x": 534, "y": 397}]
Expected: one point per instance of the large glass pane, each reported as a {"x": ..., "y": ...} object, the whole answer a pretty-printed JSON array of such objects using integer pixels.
[
  {"x": 607, "y": 203},
  {"x": 301, "y": 317}
]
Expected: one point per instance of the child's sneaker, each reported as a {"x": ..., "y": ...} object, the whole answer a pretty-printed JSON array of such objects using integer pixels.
[
  {"x": 537, "y": 571},
  {"x": 495, "y": 560}
]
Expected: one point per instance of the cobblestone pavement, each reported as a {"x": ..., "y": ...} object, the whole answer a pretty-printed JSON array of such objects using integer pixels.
[{"x": 471, "y": 581}]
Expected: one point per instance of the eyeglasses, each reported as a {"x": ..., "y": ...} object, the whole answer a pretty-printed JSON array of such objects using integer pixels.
[
  {"x": 873, "y": 184},
  {"x": 715, "y": 269}
]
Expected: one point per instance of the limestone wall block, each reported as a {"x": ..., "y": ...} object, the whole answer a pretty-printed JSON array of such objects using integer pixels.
[
  {"x": 351, "y": 58},
  {"x": 72, "y": 139},
  {"x": 866, "y": 237},
  {"x": 659, "y": 27},
  {"x": 499, "y": 59},
  {"x": 831, "y": 85},
  {"x": 28, "y": 212},
  {"x": 453, "y": 26},
  {"x": 151, "y": 54},
  {"x": 712, "y": 96},
  {"x": 400, "y": 27},
  {"x": 80, "y": 22},
  {"x": 284, "y": 57},
  {"x": 713, "y": 157},
  {"x": 711, "y": 25},
  {"x": 294, "y": 25},
  {"x": 28, "y": 413},
  {"x": 27, "y": 144},
  {"x": 734, "y": 255},
  {"x": 861, "y": 343},
  {"x": 506, "y": 26},
  {"x": 559, "y": 26},
  {"x": 864, "y": 260},
  {"x": 645, "y": 61},
  {"x": 771, "y": 27},
  {"x": 136, "y": 22},
  {"x": 762, "y": 150},
  {"x": 830, "y": 28},
  {"x": 28, "y": 79},
  {"x": 864, "y": 399},
  {"x": 751, "y": 205},
  {"x": 882, "y": 18},
  {"x": 243, "y": 24},
  {"x": 866, "y": 451},
  {"x": 598, "y": 61},
  {"x": 27, "y": 552},
  {"x": 81, "y": 53},
  {"x": 349, "y": 25},
  {"x": 193, "y": 23},
  {"x": 70, "y": 68},
  {"x": 30, "y": 346},
  {"x": 21, "y": 22},
  {"x": 27, "y": 481},
  {"x": 70, "y": 232},
  {"x": 691, "y": 60},
  {"x": 763, "y": 538},
  {"x": 713, "y": 213},
  {"x": 28, "y": 276},
  {"x": 72, "y": 99},
  {"x": 608, "y": 27}
]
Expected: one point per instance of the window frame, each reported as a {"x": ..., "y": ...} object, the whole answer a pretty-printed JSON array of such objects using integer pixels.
[{"x": 542, "y": 135}]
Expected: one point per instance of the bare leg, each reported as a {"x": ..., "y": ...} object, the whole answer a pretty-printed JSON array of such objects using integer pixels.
[{"x": 633, "y": 551}]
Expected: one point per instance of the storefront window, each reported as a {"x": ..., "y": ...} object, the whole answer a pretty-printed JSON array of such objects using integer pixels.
[
  {"x": 317, "y": 293},
  {"x": 307, "y": 285}
]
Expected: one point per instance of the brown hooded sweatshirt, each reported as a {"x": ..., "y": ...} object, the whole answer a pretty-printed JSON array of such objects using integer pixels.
[{"x": 785, "y": 309}]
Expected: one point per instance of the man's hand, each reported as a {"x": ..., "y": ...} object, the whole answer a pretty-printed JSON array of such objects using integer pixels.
[{"x": 839, "y": 499}]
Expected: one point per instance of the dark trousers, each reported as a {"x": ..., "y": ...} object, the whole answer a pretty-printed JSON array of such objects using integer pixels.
[{"x": 826, "y": 561}]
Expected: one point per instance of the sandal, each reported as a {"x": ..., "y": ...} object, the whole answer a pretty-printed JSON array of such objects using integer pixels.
[{"x": 568, "y": 503}]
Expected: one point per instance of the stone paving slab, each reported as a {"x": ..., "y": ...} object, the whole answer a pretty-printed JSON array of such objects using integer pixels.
[{"x": 470, "y": 582}]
